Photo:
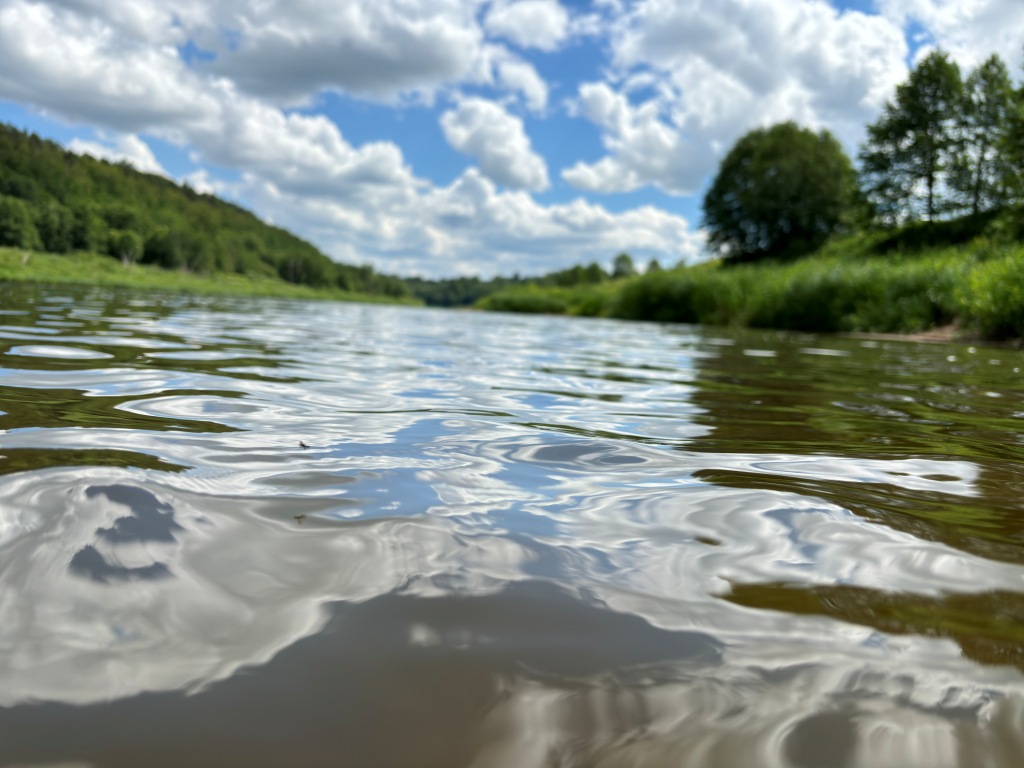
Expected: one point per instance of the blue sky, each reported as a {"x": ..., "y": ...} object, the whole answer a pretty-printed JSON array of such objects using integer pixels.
[{"x": 445, "y": 137}]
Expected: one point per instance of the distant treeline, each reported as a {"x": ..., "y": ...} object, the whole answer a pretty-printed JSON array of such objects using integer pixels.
[
  {"x": 57, "y": 201},
  {"x": 465, "y": 291}
]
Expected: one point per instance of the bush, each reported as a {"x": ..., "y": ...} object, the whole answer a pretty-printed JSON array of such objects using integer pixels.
[
  {"x": 991, "y": 297},
  {"x": 529, "y": 299}
]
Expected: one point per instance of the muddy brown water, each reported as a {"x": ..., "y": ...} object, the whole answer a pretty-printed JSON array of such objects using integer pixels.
[{"x": 264, "y": 533}]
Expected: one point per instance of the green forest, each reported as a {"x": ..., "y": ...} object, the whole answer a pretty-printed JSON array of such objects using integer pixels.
[{"x": 58, "y": 202}]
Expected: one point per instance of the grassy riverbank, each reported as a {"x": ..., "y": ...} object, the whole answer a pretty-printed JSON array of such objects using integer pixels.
[
  {"x": 19, "y": 265},
  {"x": 847, "y": 287}
]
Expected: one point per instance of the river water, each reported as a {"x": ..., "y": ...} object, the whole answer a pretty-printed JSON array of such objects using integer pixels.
[{"x": 263, "y": 533}]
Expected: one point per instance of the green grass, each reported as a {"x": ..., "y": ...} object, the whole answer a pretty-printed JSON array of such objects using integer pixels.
[
  {"x": 847, "y": 286},
  {"x": 18, "y": 265},
  {"x": 585, "y": 300}
]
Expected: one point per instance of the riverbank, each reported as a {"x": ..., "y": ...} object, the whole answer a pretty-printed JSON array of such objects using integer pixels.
[
  {"x": 19, "y": 265},
  {"x": 848, "y": 287}
]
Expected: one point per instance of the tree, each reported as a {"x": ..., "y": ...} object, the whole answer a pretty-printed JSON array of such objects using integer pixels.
[
  {"x": 623, "y": 266},
  {"x": 16, "y": 226},
  {"x": 780, "y": 192},
  {"x": 125, "y": 245},
  {"x": 89, "y": 232},
  {"x": 55, "y": 225},
  {"x": 911, "y": 146},
  {"x": 1011, "y": 147},
  {"x": 979, "y": 169}
]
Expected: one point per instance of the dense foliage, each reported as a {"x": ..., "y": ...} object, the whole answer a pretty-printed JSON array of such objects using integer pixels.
[
  {"x": 903, "y": 280},
  {"x": 56, "y": 201},
  {"x": 945, "y": 145},
  {"x": 780, "y": 192},
  {"x": 465, "y": 291}
]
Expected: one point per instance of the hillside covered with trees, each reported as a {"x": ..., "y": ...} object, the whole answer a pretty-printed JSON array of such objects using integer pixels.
[{"x": 56, "y": 201}]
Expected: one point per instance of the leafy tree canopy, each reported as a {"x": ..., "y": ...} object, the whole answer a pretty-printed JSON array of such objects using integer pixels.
[
  {"x": 780, "y": 192},
  {"x": 623, "y": 266},
  {"x": 981, "y": 172},
  {"x": 911, "y": 147}
]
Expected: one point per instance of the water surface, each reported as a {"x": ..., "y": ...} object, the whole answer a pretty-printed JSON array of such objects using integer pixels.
[{"x": 270, "y": 533}]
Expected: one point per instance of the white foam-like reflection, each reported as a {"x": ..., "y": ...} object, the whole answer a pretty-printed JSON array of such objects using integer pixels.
[{"x": 58, "y": 352}]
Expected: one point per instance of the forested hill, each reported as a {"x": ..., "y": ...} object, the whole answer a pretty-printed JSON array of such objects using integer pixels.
[{"x": 57, "y": 201}]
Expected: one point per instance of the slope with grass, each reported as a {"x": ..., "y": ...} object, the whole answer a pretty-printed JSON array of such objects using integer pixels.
[{"x": 20, "y": 265}]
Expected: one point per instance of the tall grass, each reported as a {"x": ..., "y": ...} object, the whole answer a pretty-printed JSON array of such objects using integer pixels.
[
  {"x": 584, "y": 300},
  {"x": 991, "y": 295},
  {"x": 846, "y": 287}
]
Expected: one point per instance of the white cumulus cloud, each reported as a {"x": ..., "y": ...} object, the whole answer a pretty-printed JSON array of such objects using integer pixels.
[
  {"x": 542, "y": 24},
  {"x": 374, "y": 48},
  {"x": 695, "y": 76},
  {"x": 127, "y": 148},
  {"x": 359, "y": 203},
  {"x": 644, "y": 148},
  {"x": 969, "y": 31},
  {"x": 498, "y": 141}
]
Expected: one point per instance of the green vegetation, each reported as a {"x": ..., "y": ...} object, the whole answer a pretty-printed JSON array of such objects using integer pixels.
[
  {"x": 946, "y": 146},
  {"x": 934, "y": 235},
  {"x": 876, "y": 282},
  {"x": 55, "y": 201},
  {"x": 779, "y": 193},
  {"x": 18, "y": 264},
  {"x": 465, "y": 291},
  {"x": 930, "y": 232}
]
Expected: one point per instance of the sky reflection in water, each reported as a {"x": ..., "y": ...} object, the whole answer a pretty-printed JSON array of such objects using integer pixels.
[{"x": 510, "y": 541}]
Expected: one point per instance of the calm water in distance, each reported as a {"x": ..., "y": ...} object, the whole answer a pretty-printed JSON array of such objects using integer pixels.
[{"x": 271, "y": 534}]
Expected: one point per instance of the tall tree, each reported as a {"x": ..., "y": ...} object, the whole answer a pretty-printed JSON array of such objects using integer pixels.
[
  {"x": 780, "y": 192},
  {"x": 980, "y": 169},
  {"x": 623, "y": 266},
  {"x": 1011, "y": 147},
  {"x": 909, "y": 149}
]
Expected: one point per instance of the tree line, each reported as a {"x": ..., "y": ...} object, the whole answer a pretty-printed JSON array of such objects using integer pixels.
[
  {"x": 465, "y": 291},
  {"x": 945, "y": 146},
  {"x": 57, "y": 201}
]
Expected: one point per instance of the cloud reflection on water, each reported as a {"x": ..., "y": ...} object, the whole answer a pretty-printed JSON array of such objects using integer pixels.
[{"x": 502, "y": 584}]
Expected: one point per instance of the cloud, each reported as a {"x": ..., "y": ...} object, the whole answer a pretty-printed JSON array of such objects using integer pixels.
[
  {"x": 970, "y": 32},
  {"x": 542, "y": 24},
  {"x": 373, "y": 48},
  {"x": 689, "y": 78},
  {"x": 84, "y": 69},
  {"x": 644, "y": 149},
  {"x": 484, "y": 130},
  {"x": 450, "y": 229},
  {"x": 127, "y": 148},
  {"x": 358, "y": 203},
  {"x": 520, "y": 76},
  {"x": 382, "y": 50}
]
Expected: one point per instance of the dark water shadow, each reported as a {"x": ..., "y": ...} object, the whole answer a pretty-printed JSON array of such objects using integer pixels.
[
  {"x": 151, "y": 520},
  {"x": 397, "y": 681}
]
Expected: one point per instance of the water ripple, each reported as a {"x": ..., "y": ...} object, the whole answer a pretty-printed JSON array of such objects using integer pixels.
[{"x": 280, "y": 531}]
